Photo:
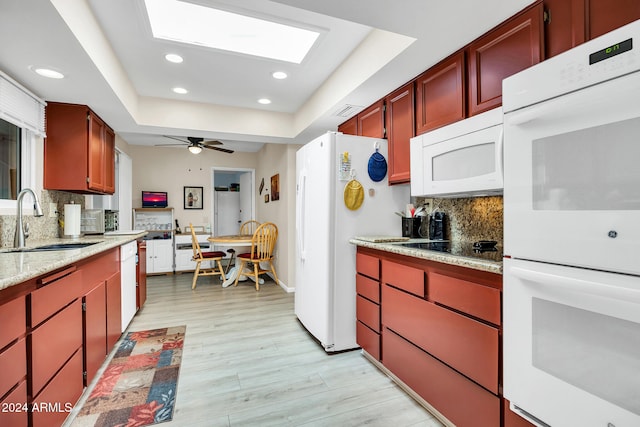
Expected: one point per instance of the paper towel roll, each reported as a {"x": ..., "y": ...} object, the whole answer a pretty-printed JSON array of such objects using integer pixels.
[{"x": 72, "y": 220}]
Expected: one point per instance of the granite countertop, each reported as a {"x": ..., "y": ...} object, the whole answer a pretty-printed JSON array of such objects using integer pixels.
[
  {"x": 447, "y": 258},
  {"x": 18, "y": 267}
]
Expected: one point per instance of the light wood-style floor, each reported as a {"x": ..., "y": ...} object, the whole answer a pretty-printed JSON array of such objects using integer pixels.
[{"x": 247, "y": 361}]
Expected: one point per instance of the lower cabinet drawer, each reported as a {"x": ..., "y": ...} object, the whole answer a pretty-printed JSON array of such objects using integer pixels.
[
  {"x": 367, "y": 339},
  {"x": 463, "y": 402},
  {"x": 368, "y": 313},
  {"x": 53, "y": 342},
  {"x": 13, "y": 320},
  {"x": 14, "y": 408},
  {"x": 49, "y": 299},
  {"x": 467, "y": 345},
  {"x": 368, "y": 288},
  {"x": 368, "y": 265},
  {"x": 477, "y": 300},
  {"x": 14, "y": 357},
  {"x": 403, "y": 277},
  {"x": 59, "y": 396}
]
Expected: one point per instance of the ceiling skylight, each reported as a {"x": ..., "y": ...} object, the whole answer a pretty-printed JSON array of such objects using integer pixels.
[{"x": 204, "y": 26}]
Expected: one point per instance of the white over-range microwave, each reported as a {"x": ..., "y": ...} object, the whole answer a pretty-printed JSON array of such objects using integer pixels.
[{"x": 459, "y": 160}]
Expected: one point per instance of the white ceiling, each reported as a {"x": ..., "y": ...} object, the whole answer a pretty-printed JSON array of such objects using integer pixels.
[{"x": 366, "y": 49}]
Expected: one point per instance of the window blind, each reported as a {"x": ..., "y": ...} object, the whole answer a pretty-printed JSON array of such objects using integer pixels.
[{"x": 21, "y": 107}]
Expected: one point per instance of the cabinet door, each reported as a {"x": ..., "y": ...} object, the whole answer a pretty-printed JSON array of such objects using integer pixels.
[
  {"x": 163, "y": 256},
  {"x": 607, "y": 15},
  {"x": 440, "y": 94},
  {"x": 565, "y": 25},
  {"x": 114, "y": 310},
  {"x": 109, "y": 160},
  {"x": 371, "y": 121},
  {"x": 511, "y": 47},
  {"x": 401, "y": 128},
  {"x": 96, "y": 153},
  {"x": 94, "y": 323},
  {"x": 350, "y": 127}
]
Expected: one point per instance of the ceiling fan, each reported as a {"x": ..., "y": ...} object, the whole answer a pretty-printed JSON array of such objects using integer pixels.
[{"x": 196, "y": 144}]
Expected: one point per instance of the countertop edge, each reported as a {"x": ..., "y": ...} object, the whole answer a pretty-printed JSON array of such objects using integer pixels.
[
  {"x": 476, "y": 264},
  {"x": 19, "y": 267}
]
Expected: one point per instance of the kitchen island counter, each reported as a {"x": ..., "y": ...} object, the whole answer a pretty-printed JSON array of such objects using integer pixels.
[
  {"x": 398, "y": 247},
  {"x": 18, "y": 267}
]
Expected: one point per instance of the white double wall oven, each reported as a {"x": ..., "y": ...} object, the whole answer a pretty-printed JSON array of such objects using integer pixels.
[{"x": 572, "y": 236}]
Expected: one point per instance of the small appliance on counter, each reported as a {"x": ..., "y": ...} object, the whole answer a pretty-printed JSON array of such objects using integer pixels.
[
  {"x": 437, "y": 229},
  {"x": 92, "y": 221}
]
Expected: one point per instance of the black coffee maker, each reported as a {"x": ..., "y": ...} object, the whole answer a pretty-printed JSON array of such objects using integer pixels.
[{"x": 437, "y": 226}]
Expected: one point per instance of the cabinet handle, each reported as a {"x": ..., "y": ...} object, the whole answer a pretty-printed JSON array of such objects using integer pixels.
[{"x": 59, "y": 275}]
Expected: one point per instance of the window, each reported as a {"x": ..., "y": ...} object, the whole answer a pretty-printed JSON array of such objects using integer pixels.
[
  {"x": 10, "y": 159},
  {"x": 21, "y": 124}
]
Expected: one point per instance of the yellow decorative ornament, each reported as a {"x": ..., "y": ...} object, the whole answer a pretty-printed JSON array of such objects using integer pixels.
[{"x": 353, "y": 195}]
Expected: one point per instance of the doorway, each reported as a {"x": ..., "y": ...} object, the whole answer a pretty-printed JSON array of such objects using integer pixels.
[{"x": 232, "y": 199}]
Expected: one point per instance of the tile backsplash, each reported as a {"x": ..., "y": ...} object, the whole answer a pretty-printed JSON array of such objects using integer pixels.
[
  {"x": 470, "y": 219},
  {"x": 43, "y": 227}
]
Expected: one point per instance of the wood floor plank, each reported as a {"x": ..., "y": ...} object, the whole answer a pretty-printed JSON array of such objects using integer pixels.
[{"x": 247, "y": 361}]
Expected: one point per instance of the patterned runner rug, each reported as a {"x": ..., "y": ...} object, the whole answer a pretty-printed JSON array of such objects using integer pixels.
[{"x": 138, "y": 387}]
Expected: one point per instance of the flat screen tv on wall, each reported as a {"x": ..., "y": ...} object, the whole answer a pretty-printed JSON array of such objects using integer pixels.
[{"x": 154, "y": 199}]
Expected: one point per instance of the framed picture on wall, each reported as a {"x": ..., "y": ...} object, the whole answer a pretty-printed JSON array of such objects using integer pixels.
[
  {"x": 193, "y": 197},
  {"x": 275, "y": 187},
  {"x": 261, "y": 186}
]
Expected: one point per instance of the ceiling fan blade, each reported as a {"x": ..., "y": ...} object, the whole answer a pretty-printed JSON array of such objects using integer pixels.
[
  {"x": 176, "y": 138},
  {"x": 224, "y": 150},
  {"x": 212, "y": 142}
]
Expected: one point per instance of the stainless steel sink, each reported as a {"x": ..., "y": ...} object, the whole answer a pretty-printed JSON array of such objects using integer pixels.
[{"x": 55, "y": 247}]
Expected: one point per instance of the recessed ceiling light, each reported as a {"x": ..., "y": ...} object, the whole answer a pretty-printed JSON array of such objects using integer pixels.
[
  {"x": 264, "y": 101},
  {"x": 187, "y": 22},
  {"x": 180, "y": 90},
  {"x": 47, "y": 72},
  {"x": 279, "y": 75},
  {"x": 172, "y": 57}
]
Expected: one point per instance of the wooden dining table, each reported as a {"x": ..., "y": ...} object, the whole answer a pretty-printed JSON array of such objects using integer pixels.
[{"x": 232, "y": 240}]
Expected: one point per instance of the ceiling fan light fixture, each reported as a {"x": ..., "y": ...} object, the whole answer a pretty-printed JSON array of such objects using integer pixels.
[{"x": 195, "y": 149}]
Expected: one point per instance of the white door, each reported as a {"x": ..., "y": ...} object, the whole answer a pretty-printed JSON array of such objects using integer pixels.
[
  {"x": 227, "y": 213},
  {"x": 571, "y": 344},
  {"x": 246, "y": 197},
  {"x": 315, "y": 179}
]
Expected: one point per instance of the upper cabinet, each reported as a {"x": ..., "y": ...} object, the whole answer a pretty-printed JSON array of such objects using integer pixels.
[
  {"x": 511, "y": 47},
  {"x": 371, "y": 121},
  {"x": 79, "y": 151},
  {"x": 440, "y": 94},
  {"x": 572, "y": 22},
  {"x": 350, "y": 127},
  {"x": 400, "y": 122}
]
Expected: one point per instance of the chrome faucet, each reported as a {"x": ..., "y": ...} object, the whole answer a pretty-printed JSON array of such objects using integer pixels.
[{"x": 23, "y": 230}]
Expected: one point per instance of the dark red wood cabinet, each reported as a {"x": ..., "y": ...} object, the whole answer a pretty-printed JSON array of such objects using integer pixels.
[
  {"x": 371, "y": 121},
  {"x": 572, "y": 22},
  {"x": 438, "y": 329},
  {"x": 350, "y": 127},
  {"x": 94, "y": 323},
  {"x": 511, "y": 47},
  {"x": 114, "y": 310},
  {"x": 441, "y": 94},
  {"x": 368, "y": 304},
  {"x": 79, "y": 150},
  {"x": 400, "y": 120},
  {"x": 13, "y": 354},
  {"x": 141, "y": 274}
]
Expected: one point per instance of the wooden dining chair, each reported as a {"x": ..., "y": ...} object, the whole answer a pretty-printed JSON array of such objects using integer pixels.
[
  {"x": 247, "y": 227},
  {"x": 263, "y": 244},
  {"x": 199, "y": 257}
]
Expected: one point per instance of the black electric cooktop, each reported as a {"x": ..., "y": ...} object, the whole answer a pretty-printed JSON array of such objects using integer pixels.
[{"x": 470, "y": 250}]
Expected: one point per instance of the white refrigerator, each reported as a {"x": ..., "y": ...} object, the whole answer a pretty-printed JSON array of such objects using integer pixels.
[{"x": 325, "y": 270}]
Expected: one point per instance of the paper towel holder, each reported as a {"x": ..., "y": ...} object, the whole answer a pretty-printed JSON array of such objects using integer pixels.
[{"x": 71, "y": 227}]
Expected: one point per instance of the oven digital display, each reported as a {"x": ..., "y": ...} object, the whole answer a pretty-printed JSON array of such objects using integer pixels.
[{"x": 610, "y": 51}]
